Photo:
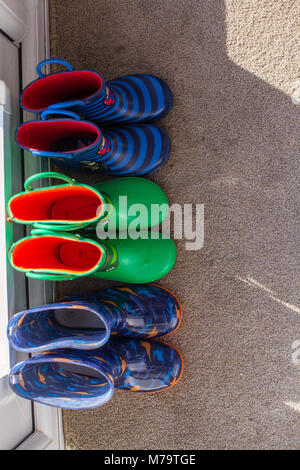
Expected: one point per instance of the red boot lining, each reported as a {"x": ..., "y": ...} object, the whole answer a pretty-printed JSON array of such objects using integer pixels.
[
  {"x": 78, "y": 256},
  {"x": 44, "y": 135},
  {"x": 60, "y": 87},
  {"x": 56, "y": 254},
  {"x": 69, "y": 203}
]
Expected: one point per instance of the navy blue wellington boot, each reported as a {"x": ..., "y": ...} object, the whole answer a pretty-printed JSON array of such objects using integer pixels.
[
  {"x": 68, "y": 378},
  {"x": 87, "y": 320},
  {"x": 75, "y": 144},
  {"x": 128, "y": 99}
]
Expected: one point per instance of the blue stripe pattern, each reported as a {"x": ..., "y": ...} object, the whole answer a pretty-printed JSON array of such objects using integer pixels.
[
  {"x": 136, "y": 150},
  {"x": 129, "y": 99},
  {"x": 125, "y": 151},
  {"x": 136, "y": 98}
]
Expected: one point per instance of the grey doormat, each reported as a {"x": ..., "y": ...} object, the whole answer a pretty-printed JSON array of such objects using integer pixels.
[{"x": 231, "y": 67}]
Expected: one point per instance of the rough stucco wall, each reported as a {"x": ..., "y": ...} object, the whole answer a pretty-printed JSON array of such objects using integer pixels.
[{"x": 231, "y": 66}]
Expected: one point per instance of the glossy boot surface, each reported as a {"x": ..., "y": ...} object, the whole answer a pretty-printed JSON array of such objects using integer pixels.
[
  {"x": 73, "y": 206},
  {"x": 141, "y": 260},
  {"x": 143, "y": 311},
  {"x": 86, "y": 320},
  {"x": 62, "y": 256},
  {"x": 75, "y": 379},
  {"x": 129, "y": 99},
  {"x": 81, "y": 145}
]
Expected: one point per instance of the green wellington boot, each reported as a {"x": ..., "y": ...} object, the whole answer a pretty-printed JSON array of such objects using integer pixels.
[
  {"x": 63, "y": 256},
  {"x": 74, "y": 206}
]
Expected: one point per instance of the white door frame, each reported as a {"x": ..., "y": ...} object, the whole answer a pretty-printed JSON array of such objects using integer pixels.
[{"x": 26, "y": 22}]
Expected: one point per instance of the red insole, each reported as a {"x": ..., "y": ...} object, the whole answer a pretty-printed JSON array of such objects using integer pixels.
[
  {"x": 78, "y": 256},
  {"x": 61, "y": 87},
  {"x": 57, "y": 136},
  {"x": 75, "y": 208}
]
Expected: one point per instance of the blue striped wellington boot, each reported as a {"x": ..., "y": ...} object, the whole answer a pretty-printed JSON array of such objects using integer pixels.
[
  {"x": 75, "y": 144},
  {"x": 75, "y": 379},
  {"x": 128, "y": 99},
  {"x": 87, "y": 320}
]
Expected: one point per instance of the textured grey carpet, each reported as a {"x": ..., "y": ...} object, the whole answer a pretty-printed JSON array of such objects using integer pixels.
[{"x": 231, "y": 67}]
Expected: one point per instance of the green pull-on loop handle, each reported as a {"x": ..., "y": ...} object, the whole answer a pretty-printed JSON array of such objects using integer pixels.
[
  {"x": 40, "y": 231},
  {"x": 50, "y": 277},
  {"x": 59, "y": 227},
  {"x": 47, "y": 174}
]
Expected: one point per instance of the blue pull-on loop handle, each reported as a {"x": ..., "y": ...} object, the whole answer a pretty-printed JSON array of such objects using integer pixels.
[
  {"x": 56, "y": 155},
  {"x": 52, "y": 61},
  {"x": 62, "y": 112},
  {"x": 66, "y": 104}
]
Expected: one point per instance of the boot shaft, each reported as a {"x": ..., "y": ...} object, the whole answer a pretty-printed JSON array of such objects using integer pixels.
[
  {"x": 52, "y": 256},
  {"x": 68, "y": 141},
  {"x": 72, "y": 89},
  {"x": 71, "y": 324},
  {"x": 61, "y": 207},
  {"x": 64, "y": 378}
]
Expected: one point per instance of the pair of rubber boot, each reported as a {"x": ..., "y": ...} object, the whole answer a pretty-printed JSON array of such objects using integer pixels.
[
  {"x": 82, "y": 96},
  {"x": 76, "y": 363},
  {"x": 53, "y": 253}
]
